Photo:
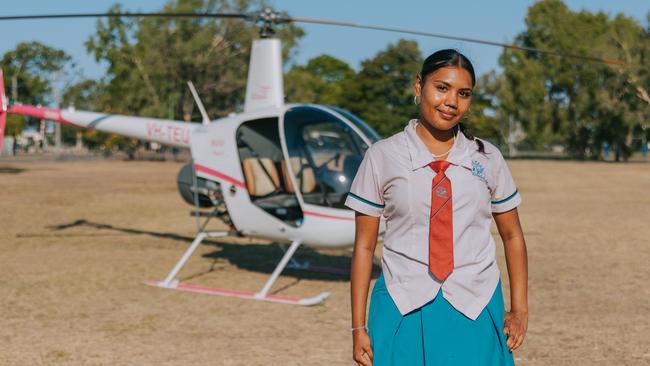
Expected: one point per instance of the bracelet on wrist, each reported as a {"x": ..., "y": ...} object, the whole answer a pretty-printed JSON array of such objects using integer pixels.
[{"x": 359, "y": 328}]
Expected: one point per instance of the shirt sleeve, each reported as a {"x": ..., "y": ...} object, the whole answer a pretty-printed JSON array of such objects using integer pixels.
[
  {"x": 365, "y": 194},
  {"x": 505, "y": 195}
]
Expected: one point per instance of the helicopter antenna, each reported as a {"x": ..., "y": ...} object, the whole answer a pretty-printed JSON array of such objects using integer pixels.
[{"x": 195, "y": 95}]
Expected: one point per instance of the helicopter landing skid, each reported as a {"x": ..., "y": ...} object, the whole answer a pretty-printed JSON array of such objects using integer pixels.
[
  {"x": 171, "y": 283},
  {"x": 243, "y": 294}
]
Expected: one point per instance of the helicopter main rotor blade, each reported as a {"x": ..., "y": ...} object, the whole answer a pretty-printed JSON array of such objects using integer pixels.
[
  {"x": 457, "y": 38},
  {"x": 120, "y": 15},
  {"x": 268, "y": 16}
]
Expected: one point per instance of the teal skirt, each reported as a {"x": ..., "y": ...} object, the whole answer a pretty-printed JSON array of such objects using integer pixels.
[{"x": 436, "y": 334}]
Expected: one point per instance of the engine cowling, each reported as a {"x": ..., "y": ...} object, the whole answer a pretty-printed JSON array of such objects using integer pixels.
[{"x": 185, "y": 180}]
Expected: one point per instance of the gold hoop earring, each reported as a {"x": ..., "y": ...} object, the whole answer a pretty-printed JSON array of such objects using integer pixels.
[{"x": 416, "y": 99}]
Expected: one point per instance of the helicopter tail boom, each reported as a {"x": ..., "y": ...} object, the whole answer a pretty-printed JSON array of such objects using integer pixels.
[{"x": 167, "y": 132}]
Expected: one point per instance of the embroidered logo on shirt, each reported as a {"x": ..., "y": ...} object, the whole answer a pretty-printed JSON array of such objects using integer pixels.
[
  {"x": 441, "y": 192},
  {"x": 478, "y": 171}
]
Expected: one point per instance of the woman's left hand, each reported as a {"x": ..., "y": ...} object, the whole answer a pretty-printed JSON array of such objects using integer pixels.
[{"x": 514, "y": 327}]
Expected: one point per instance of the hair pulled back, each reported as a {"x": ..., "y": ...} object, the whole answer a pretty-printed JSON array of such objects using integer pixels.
[{"x": 451, "y": 58}]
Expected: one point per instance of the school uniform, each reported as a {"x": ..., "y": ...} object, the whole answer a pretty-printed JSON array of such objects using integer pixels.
[{"x": 415, "y": 317}]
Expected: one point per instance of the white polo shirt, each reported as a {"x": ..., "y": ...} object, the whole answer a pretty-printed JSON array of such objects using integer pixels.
[{"x": 394, "y": 180}]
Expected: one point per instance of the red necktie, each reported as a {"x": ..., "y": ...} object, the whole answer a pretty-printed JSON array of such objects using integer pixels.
[{"x": 441, "y": 233}]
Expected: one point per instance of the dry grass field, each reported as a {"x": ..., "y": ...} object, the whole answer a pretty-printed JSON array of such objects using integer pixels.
[{"x": 77, "y": 239}]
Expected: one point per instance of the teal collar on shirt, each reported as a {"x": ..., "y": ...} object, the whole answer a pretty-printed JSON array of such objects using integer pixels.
[{"x": 421, "y": 156}]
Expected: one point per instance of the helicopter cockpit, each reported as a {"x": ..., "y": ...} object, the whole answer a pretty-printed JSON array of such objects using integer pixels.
[{"x": 324, "y": 154}]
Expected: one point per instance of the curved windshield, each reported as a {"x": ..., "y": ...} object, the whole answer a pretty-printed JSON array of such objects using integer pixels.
[
  {"x": 367, "y": 130},
  {"x": 324, "y": 155}
]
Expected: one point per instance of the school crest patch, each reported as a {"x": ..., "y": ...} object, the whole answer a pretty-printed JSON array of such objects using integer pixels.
[
  {"x": 441, "y": 192},
  {"x": 478, "y": 170}
]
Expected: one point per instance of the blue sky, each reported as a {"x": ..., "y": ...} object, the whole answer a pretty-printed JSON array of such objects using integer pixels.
[{"x": 498, "y": 20}]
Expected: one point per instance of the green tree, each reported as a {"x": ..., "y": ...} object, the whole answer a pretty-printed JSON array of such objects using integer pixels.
[
  {"x": 482, "y": 118},
  {"x": 32, "y": 66},
  {"x": 85, "y": 95},
  {"x": 151, "y": 59},
  {"x": 321, "y": 81},
  {"x": 578, "y": 103},
  {"x": 327, "y": 80},
  {"x": 381, "y": 93}
]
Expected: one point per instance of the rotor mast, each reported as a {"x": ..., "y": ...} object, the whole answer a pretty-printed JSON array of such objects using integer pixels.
[{"x": 265, "y": 87}]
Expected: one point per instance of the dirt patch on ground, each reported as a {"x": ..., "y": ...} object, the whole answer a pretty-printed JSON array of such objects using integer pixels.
[{"x": 77, "y": 239}]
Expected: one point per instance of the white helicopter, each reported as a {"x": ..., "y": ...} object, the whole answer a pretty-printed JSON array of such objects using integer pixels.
[{"x": 276, "y": 171}]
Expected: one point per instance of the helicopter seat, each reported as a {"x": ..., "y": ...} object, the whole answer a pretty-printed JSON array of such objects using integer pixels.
[
  {"x": 263, "y": 185},
  {"x": 337, "y": 164},
  {"x": 261, "y": 176},
  {"x": 305, "y": 179}
]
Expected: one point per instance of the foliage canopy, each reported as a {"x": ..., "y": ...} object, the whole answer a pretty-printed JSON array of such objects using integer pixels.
[{"x": 577, "y": 104}]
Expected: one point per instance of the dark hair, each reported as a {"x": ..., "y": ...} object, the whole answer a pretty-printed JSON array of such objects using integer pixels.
[{"x": 451, "y": 58}]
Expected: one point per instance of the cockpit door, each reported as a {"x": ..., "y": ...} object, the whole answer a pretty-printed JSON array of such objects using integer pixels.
[
  {"x": 265, "y": 170},
  {"x": 323, "y": 154}
]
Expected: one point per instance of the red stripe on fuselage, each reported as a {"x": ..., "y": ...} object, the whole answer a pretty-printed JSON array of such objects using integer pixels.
[
  {"x": 219, "y": 175},
  {"x": 238, "y": 183},
  {"x": 51, "y": 114}
]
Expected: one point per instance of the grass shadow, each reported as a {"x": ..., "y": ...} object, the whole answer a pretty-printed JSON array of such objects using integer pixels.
[
  {"x": 86, "y": 223},
  {"x": 255, "y": 257},
  {"x": 11, "y": 170},
  {"x": 264, "y": 257}
]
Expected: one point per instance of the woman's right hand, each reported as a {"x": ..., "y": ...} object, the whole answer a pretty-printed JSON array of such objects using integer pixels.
[{"x": 361, "y": 349}]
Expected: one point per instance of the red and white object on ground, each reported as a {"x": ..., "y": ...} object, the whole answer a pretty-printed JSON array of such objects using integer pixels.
[
  {"x": 243, "y": 294},
  {"x": 3, "y": 109}
]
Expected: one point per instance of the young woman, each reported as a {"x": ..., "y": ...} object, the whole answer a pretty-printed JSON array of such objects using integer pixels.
[{"x": 438, "y": 300}]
